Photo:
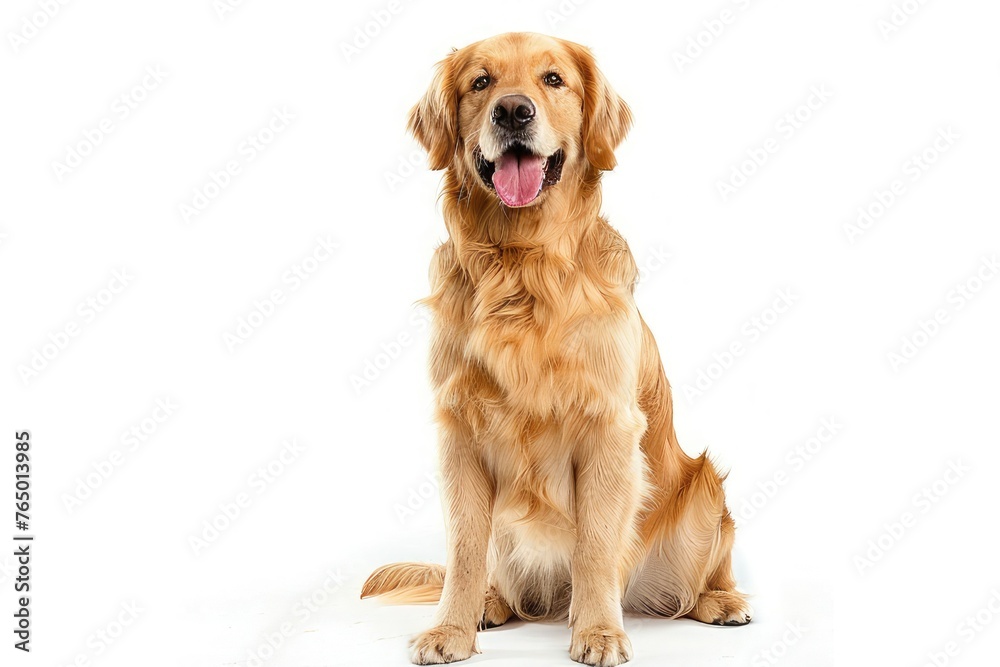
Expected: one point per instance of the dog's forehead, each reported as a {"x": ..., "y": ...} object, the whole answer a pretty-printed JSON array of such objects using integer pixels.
[{"x": 516, "y": 52}]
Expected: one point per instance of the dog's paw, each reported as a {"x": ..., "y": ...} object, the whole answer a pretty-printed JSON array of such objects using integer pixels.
[
  {"x": 601, "y": 646},
  {"x": 722, "y": 608},
  {"x": 443, "y": 644},
  {"x": 496, "y": 612},
  {"x": 738, "y": 617}
]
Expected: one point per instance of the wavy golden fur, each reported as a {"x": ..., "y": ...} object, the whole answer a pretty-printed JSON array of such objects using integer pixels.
[{"x": 566, "y": 492}]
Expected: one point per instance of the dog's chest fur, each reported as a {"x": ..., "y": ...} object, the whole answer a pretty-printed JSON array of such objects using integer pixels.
[{"x": 553, "y": 330}]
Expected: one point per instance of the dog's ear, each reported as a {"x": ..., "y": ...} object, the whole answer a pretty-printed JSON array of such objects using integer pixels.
[
  {"x": 606, "y": 117},
  {"x": 434, "y": 119}
]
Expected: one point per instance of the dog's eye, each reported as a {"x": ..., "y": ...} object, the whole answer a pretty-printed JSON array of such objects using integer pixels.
[
  {"x": 553, "y": 79},
  {"x": 481, "y": 83}
]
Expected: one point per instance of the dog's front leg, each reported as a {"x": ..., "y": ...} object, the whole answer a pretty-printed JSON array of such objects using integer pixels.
[
  {"x": 608, "y": 491},
  {"x": 467, "y": 495}
]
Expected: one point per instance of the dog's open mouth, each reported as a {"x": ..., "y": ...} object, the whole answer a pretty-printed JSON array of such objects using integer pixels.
[{"x": 519, "y": 175}]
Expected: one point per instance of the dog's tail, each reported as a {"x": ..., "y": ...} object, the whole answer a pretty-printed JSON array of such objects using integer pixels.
[{"x": 406, "y": 583}]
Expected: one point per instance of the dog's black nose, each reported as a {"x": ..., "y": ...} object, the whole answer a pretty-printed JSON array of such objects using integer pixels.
[{"x": 513, "y": 112}]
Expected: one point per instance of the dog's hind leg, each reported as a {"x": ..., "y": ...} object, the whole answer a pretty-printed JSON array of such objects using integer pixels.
[
  {"x": 720, "y": 603},
  {"x": 687, "y": 571}
]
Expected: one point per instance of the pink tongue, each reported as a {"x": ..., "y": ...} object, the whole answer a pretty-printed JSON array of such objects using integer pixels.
[{"x": 518, "y": 178}]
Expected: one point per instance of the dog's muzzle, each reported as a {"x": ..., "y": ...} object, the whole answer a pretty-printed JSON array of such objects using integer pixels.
[{"x": 519, "y": 174}]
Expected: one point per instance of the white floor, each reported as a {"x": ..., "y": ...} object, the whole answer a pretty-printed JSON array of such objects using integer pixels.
[{"x": 791, "y": 627}]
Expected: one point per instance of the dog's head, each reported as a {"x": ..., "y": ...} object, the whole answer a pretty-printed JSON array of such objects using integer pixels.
[{"x": 519, "y": 114}]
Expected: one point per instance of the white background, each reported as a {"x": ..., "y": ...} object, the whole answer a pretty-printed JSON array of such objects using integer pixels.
[{"x": 358, "y": 494}]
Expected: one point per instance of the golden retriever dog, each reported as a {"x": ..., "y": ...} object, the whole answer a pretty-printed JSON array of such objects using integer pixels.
[{"x": 565, "y": 491}]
